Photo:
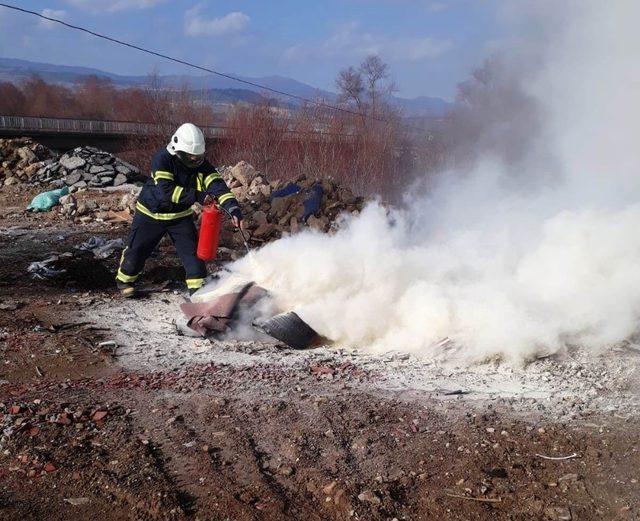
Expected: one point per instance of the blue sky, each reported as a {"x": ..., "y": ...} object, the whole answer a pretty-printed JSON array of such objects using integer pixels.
[{"x": 430, "y": 45}]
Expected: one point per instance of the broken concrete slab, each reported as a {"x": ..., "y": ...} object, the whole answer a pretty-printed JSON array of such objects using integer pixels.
[
  {"x": 118, "y": 180},
  {"x": 72, "y": 162},
  {"x": 73, "y": 178}
]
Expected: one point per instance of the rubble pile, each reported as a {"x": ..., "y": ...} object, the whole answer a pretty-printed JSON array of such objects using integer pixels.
[
  {"x": 87, "y": 206},
  {"x": 25, "y": 160},
  {"x": 87, "y": 167},
  {"x": 277, "y": 207},
  {"x": 22, "y": 157},
  {"x": 271, "y": 209},
  {"x": 100, "y": 191}
]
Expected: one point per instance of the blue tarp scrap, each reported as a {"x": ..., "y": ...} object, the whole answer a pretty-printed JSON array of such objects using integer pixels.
[
  {"x": 290, "y": 189},
  {"x": 312, "y": 201}
]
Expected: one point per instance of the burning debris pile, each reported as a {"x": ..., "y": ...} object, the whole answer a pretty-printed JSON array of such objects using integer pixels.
[
  {"x": 277, "y": 207},
  {"x": 21, "y": 158},
  {"x": 87, "y": 167}
]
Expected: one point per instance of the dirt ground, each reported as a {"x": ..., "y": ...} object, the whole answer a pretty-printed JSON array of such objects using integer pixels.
[{"x": 106, "y": 413}]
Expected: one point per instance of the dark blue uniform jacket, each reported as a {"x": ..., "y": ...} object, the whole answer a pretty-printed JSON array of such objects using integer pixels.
[{"x": 173, "y": 188}]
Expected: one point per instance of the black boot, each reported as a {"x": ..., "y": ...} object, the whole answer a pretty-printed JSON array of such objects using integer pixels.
[{"x": 126, "y": 290}]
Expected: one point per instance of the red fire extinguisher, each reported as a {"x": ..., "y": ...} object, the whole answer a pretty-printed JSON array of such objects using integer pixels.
[{"x": 209, "y": 233}]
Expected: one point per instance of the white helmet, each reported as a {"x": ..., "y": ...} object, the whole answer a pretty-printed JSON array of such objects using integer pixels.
[{"x": 188, "y": 139}]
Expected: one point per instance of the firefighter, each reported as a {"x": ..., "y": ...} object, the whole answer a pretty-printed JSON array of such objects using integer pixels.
[{"x": 180, "y": 177}]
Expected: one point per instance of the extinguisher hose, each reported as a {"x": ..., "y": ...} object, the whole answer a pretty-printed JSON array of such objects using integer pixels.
[{"x": 244, "y": 238}]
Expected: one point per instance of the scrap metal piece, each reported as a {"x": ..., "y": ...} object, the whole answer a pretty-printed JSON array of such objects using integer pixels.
[
  {"x": 219, "y": 313},
  {"x": 215, "y": 315}
]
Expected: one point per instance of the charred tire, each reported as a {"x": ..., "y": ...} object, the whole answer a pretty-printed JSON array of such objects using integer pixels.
[{"x": 290, "y": 329}]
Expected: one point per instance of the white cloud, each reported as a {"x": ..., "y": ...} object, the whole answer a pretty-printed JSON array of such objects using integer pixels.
[
  {"x": 114, "y": 5},
  {"x": 416, "y": 49},
  {"x": 346, "y": 39},
  {"x": 60, "y": 14},
  {"x": 351, "y": 41},
  {"x": 195, "y": 24}
]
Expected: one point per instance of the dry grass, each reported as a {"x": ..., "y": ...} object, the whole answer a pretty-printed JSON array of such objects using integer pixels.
[{"x": 367, "y": 155}]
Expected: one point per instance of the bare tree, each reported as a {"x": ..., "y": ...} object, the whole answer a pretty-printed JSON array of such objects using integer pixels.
[
  {"x": 95, "y": 97},
  {"x": 12, "y": 100},
  {"x": 350, "y": 87},
  {"x": 375, "y": 74},
  {"x": 255, "y": 133},
  {"x": 366, "y": 86}
]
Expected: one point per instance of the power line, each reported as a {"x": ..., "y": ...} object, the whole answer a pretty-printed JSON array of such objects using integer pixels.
[{"x": 199, "y": 67}]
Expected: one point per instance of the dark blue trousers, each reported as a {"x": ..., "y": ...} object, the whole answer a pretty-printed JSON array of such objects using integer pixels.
[{"x": 145, "y": 235}]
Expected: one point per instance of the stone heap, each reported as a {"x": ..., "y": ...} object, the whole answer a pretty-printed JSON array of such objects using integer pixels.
[
  {"x": 87, "y": 167},
  {"x": 20, "y": 158},
  {"x": 99, "y": 205},
  {"x": 268, "y": 217}
]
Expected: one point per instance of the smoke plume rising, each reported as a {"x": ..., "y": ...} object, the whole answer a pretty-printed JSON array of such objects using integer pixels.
[{"x": 508, "y": 255}]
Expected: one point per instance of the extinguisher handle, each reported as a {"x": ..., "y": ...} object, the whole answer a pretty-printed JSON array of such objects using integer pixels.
[{"x": 208, "y": 200}]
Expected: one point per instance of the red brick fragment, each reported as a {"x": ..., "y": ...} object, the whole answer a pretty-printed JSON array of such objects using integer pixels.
[{"x": 99, "y": 415}]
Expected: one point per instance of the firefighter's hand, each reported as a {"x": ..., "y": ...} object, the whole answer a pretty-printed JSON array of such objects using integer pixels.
[
  {"x": 239, "y": 223},
  {"x": 236, "y": 218}
]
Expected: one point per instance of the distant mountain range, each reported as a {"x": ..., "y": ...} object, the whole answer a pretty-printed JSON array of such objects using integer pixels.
[{"x": 220, "y": 89}]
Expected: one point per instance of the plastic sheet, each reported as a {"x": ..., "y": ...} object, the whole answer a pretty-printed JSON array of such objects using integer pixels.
[{"x": 46, "y": 200}]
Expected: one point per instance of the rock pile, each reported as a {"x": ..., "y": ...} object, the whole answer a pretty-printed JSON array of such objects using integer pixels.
[
  {"x": 20, "y": 158},
  {"x": 87, "y": 167},
  {"x": 101, "y": 205},
  {"x": 24, "y": 160},
  {"x": 271, "y": 209},
  {"x": 277, "y": 207}
]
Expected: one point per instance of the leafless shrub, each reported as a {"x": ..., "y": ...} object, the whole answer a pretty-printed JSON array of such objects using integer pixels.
[{"x": 365, "y": 146}]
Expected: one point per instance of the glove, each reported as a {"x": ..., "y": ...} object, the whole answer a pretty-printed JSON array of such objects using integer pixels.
[{"x": 236, "y": 215}]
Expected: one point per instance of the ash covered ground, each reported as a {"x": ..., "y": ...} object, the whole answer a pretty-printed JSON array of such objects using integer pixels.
[{"x": 105, "y": 411}]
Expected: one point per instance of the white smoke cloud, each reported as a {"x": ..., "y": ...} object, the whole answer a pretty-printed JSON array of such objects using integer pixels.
[{"x": 496, "y": 268}]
